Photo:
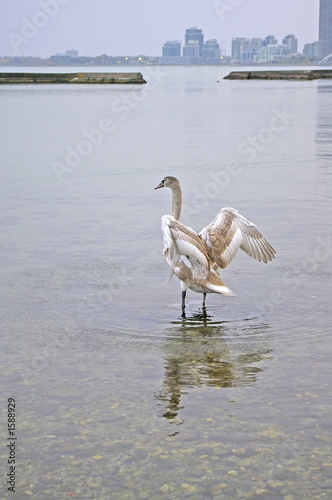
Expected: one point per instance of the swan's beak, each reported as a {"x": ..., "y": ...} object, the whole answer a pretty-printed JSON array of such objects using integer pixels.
[{"x": 161, "y": 185}]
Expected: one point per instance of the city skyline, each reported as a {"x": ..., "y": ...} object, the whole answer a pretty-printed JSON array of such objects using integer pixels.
[
  {"x": 196, "y": 50},
  {"x": 45, "y": 27}
]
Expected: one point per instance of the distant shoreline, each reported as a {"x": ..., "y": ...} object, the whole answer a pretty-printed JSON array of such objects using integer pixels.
[{"x": 134, "y": 61}]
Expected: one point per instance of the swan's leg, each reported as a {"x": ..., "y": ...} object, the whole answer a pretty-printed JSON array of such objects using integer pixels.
[
  {"x": 184, "y": 291},
  {"x": 204, "y": 297},
  {"x": 183, "y": 300}
]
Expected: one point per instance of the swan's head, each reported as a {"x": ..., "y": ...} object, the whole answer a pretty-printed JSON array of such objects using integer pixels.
[{"x": 168, "y": 182}]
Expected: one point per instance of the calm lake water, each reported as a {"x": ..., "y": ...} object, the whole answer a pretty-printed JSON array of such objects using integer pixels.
[{"x": 117, "y": 396}]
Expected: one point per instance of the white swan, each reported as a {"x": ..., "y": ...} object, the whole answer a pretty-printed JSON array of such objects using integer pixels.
[{"x": 195, "y": 258}]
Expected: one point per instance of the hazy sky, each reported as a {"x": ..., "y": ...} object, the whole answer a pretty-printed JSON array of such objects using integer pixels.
[{"x": 136, "y": 27}]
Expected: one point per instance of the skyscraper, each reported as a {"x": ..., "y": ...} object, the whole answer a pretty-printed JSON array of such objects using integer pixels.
[
  {"x": 211, "y": 51},
  {"x": 171, "y": 52},
  {"x": 195, "y": 51},
  {"x": 325, "y": 28},
  {"x": 270, "y": 40},
  {"x": 310, "y": 50},
  {"x": 246, "y": 50},
  {"x": 194, "y": 34},
  {"x": 191, "y": 49},
  {"x": 291, "y": 42},
  {"x": 172, "y": 49}
]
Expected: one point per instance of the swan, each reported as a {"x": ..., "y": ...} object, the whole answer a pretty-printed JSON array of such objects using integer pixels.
[{"x": 196, "y": 258}]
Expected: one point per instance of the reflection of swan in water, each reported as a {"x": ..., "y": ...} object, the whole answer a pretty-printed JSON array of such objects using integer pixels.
[{"x": 200, "y": 352}]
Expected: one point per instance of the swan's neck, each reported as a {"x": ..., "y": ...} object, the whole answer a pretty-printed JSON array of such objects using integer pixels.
[{"x": 176, "y": 201}]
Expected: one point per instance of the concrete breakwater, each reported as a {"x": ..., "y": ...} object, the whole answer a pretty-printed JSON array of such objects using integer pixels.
[
  {"x": 314, "y": 74},
  {"x": 72, "y": 78}
]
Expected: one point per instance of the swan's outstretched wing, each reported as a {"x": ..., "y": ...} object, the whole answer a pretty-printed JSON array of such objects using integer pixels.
[
  {"x": 181, "y": 243},
  {"x": 230, "y": 231}
]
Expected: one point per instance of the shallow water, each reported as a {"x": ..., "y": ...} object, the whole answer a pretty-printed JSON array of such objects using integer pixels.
[{"x": 117, "y": 395}]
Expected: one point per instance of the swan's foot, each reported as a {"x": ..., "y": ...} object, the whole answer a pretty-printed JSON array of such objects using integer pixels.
[{"x": 204, "y": 297}]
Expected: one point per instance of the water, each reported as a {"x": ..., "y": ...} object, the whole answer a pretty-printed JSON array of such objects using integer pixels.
[{"x": 117, "y": 395}]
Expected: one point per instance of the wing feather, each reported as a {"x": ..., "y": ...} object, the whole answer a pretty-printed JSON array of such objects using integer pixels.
[
  {"x": 230, "y": 231},
  {"x": 182, "y": 241}
]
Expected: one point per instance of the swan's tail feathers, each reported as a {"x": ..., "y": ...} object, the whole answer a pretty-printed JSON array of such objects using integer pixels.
[
  {"x": 224, "y": 290},
  {"x": 169, "y": 276}
]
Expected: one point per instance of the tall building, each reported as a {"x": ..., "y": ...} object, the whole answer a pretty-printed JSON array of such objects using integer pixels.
[
  {"x": 246, "y": 50},
  {"x": 239, "y": 46},
  {"x": 171, "y": 52},
  {"x": 191, "y": 49},
  {"x": 172, "y": 49},
  {"x": 194, "y": 34},
  {"x": 191, "y": 52},
  {"x": 292, "y": 43},
  {"x": 211, "y": 51},
  {"x": 195, "y": 51},
  {"x": 270, "y": 40},
  {"x": 325, "y": 28},
  {"x": 252, "y": 51},
  {"x": 256, "y": 50},
  {"x": 273, "y": 53},
  {"x": 311, "y": 50}
]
